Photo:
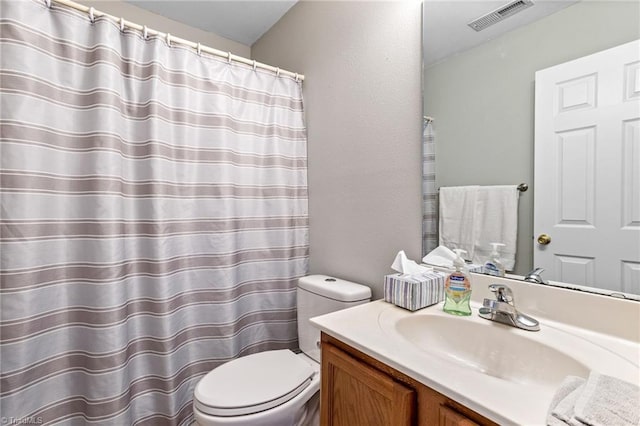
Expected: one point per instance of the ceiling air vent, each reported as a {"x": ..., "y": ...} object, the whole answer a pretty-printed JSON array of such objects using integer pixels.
[{"x": 499, "y": 14}]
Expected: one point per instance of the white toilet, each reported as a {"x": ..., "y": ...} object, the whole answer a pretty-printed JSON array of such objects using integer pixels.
[{"x": 277, "y": 388}]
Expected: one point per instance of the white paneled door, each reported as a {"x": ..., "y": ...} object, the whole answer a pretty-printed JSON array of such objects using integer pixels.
[{"x": 587, "y": 170}]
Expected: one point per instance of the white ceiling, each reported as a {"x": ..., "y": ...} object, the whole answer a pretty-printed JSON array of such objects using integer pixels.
[
  {"x": 445, "y": 24},
  {"x": 445, "y": 21},
  {"x": 244, "y": 21}
]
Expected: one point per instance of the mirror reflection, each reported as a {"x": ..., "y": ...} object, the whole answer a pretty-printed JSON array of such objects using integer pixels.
[{"x": 486, "y": 127}]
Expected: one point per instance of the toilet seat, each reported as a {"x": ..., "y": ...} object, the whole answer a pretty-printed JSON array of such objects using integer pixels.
[{"x": 253, "y": 383}]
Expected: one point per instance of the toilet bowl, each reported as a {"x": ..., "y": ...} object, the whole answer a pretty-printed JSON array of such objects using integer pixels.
[
  {"x": 272, "y": 388},
  {"x": 278, "y": 387}
]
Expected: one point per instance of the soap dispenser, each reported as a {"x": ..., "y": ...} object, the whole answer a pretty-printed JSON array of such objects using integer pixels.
[
  {"x": 494, "y": 266},
  {"x": 457, "y": 289}
]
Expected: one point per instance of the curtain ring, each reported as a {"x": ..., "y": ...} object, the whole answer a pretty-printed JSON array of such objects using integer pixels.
[
  {"x": 297, "y": 77},
  {"x": 229, "y": 57},
  {"x": 121, "y": 25},
  {"x": 254, "y": 64},
  {"x": 92, "y": 17},
  {"x": 278, "y": 72},
  {"x": 168, "y": 39},
  {"x": 199, "y": 49},
  {"x": 48, "y": 3},
  {"x": 145, "y": 32}
]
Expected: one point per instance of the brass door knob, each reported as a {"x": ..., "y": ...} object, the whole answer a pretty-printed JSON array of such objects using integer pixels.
[{"x": 544, "y": 239}]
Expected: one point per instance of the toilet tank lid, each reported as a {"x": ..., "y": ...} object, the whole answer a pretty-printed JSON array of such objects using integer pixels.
[{"x": 335, "y": 288}]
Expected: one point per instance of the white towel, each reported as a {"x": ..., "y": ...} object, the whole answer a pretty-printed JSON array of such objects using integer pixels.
[
  {"x": 608, "y": 401},
  {"x": 457, "y": 217},
  {"x": 496, "y": 222},
  {"x": 563, "y": 403},
  {"x": 598, "y": 401},
  {"x": 472, "y": 217}
]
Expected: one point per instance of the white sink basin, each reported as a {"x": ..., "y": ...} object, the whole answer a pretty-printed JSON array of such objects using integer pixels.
[
  {"x": 490, "y": 348},
  {"x": 507, "y": 354}
]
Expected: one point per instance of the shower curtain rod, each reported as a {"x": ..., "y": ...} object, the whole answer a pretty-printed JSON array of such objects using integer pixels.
[{"x": 93, "y": 13}]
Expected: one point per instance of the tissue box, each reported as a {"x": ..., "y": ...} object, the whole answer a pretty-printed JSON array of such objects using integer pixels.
[
  {"x": 474, "y": 267},
  {"x": 414, "y": 293}
]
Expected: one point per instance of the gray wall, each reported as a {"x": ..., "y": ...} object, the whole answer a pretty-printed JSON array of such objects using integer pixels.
[
  {"x": 482, "y": 99},
  {"x": 362, "y": 92},
  {"x": 143, "y": 17}
]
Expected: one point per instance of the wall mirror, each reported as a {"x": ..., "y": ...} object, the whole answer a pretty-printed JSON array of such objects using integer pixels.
[{"x": 479, "y": 89}]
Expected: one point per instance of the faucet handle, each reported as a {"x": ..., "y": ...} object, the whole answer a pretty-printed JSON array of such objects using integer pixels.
[
  {"x": 535, "y": 276},
  {"x": 503, "y": 293}
]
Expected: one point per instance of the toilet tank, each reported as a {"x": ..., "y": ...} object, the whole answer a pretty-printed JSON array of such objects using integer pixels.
[{"x": 319, "y": 295}]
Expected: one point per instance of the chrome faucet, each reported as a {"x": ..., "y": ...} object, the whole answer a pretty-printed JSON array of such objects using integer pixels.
[
  {"x": 502, "y": 309},
  {"x": 534, "y": 277}
]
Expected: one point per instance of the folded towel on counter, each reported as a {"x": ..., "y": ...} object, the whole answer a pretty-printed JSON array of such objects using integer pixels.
[
  {"x": 472, "y": 217},
  {"x": 608, "y": 401},
  {"x": 564, "y": 401},
  {"x": 598, "y": 401}
]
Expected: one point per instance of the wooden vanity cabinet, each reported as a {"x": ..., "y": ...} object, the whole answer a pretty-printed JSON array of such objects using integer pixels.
[
  {"x": 358, "y": 390},
  {"x": 353, "y": 392}
]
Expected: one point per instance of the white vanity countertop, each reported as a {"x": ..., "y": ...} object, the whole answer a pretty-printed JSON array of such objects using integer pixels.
[{"x": 370, "y": 329}]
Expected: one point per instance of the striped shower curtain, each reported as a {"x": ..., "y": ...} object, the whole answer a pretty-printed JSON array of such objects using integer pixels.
[
  {"x": 154, "y": 218},
  {"x": 429, "y": 190}
]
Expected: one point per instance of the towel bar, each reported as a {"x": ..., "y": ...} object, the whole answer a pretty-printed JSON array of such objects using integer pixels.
[{"x": 522, "y": 187}]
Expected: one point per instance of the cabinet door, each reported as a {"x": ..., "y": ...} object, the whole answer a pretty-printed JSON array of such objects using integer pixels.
[
  {"x": 355, "y": 394},
  {"x": 449, "y": 417}
]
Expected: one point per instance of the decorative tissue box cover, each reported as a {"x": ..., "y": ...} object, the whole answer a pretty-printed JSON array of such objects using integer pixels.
[{"x": 414, "y": 293}]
